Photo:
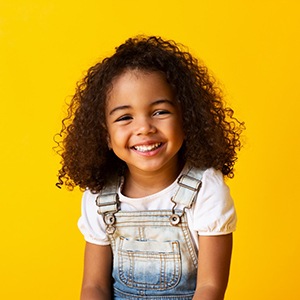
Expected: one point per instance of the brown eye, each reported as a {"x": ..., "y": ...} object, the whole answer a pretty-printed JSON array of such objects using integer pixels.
[
  {"x": 124, "y": 118},
  {"x": 161, "y": 112}
]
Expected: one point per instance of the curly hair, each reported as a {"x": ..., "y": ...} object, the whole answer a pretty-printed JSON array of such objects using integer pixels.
[{"x": 212, "y": 134}]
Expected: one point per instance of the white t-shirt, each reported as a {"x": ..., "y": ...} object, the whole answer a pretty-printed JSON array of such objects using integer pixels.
[{"x": 212, "y": 213}]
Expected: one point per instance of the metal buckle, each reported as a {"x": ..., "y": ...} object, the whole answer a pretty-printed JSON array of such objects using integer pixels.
[
  {"x": 110, "y": 229},
  {"x": 108, "y": 215},
  {"x": 107, "y": 203},
  {"x": 114, "y": 203},
  {"x": 194, "y": 189},
  {"x": 109, "y": 219},
  {"x": 175, "y": 219}
]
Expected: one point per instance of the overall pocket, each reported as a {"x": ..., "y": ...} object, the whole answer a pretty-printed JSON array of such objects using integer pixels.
[{"x": 148, "y": 264}]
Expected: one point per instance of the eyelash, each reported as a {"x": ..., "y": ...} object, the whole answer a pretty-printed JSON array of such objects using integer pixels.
[
  {"x": 129, "y": 117},
  {"x": 124, "y": 118},
  {"x": 161, "y": 112}
]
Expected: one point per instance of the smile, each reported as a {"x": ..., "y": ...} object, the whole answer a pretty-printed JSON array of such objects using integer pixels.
[{"x": 147, "y": 148}]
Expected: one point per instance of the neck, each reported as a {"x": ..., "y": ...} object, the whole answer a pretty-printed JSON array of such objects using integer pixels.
[{"x": 142, "y": 184}]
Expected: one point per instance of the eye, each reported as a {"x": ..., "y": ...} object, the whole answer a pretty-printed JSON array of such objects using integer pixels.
[
  {"x": 161, "y": 112},
  {"x": 124, "y": 118}
]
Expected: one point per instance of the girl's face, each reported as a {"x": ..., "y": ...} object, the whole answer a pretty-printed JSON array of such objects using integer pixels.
[{"x": 144, "y": 122}]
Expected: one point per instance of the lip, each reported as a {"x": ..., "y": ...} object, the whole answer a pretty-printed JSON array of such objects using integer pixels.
[{"x": 149, "y": 148}]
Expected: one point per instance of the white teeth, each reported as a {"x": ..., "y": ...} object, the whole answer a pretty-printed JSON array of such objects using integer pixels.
[{"x": 144, "y": 148}]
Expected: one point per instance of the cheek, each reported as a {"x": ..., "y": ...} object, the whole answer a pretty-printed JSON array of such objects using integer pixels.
[{"x": 117, "y": 137}]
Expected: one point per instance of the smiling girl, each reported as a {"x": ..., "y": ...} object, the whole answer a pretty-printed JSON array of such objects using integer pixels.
[
  {"x": 150, "y": 141},
  {"x": 145, "y": 130}
]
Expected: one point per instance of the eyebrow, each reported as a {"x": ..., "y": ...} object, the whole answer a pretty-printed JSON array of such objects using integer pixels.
[
  {"x": 157, "y": 102},
  {"x": 119, "y": 108}
]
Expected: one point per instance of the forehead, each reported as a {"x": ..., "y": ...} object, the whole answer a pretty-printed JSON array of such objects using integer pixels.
[
  {"x": 140, "y": 75},
  {"x": 139, "y": 85}
]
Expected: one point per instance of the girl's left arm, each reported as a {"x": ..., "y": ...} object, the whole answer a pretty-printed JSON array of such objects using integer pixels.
[{"x": 213, "y": 267}]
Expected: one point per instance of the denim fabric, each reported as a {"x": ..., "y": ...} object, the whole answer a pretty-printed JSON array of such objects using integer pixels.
[
  {"x": 152, "y": 258},
  {"x": 154, "y": 254}
]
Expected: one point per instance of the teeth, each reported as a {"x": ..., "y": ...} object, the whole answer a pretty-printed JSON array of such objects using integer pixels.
[{"x": 144, "y": 148}]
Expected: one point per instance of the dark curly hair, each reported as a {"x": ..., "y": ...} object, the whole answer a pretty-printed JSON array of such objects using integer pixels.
[{"x": 212, "y": 134}]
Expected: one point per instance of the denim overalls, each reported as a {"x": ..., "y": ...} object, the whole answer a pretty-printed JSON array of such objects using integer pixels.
[{"x": 154, "y": 254}]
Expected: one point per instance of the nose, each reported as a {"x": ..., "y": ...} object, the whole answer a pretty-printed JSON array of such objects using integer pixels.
[{"x": 145, "y": 126}]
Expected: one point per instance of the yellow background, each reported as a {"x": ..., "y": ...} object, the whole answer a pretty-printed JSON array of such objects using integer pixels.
[{"x": 45, "y": 46}]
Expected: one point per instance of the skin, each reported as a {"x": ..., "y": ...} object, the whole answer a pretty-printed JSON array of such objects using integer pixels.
[
  {"x": 214, "y": 258},
  {"x": 145, "y": 130},
  {"x": 97, "y": 281}
]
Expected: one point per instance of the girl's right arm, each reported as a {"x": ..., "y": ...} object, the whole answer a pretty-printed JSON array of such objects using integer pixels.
[{"x": 97, "y": 280}]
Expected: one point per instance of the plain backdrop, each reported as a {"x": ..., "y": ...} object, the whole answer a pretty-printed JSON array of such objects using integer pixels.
[{"x": 252, "y": 47}]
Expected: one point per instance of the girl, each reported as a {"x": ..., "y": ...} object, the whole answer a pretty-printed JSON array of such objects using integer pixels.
[{"x": 149, "y": 139}]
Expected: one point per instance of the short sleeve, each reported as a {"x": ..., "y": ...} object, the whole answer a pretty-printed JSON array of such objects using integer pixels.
[
  {"x": 214, "y": 212},
  {"x": 91, "y": 224}
]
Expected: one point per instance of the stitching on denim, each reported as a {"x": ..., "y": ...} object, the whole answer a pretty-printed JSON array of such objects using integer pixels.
[
  {"x": 161, "y": 259},
  {"x": 155, "y": 223},
  {"x": 190, "y": 245}
]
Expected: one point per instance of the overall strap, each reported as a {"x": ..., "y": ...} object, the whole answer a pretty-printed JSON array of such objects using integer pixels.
[
  {"x": 189, "y": 186},
  {"x": 108, "y": 204},
  {"x": 108, "y": 199}
]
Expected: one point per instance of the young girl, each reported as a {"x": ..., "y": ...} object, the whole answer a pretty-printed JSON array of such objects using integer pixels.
[{"x": 149, "y": 139}]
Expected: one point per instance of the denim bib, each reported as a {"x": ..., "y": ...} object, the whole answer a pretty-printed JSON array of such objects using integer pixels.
[{"x": 154, "y": 254}]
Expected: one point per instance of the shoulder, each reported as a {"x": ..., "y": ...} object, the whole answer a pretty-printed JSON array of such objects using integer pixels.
[
  {"x": 213, "y": 182},
  {"x": 88, "y": 205},
  {"x": 213, "y": 174},
  {"x": 213, "y": 212},
  {"x": 90, "y": 222},
  {"x": 212, "y": 179},
  {"x": 89, "y": 198}
]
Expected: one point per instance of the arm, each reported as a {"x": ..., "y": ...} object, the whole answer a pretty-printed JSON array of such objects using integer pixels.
[
  {"x": 97, "y": 282},
  {"x": 213, "y": 267}
]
